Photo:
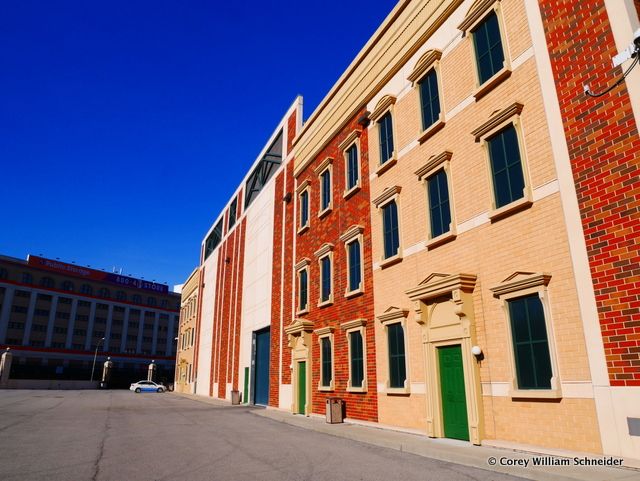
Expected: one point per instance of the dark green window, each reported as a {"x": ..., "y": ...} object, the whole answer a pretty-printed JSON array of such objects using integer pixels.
[
  {"x": 385, "y": 131},
  {"x": 357, "y": 359},
  {"x": 233, "y": 212},
  {"x": 213, "y": 240},
  {"x": 439, "y": 209},
  {"x": 303, "y": 284},
  {"x": 429, "y": 99},
  {"x": 506, "y": 167},
  {"x": 390, "y": 229},
  {"x": 530, "y": 342},
  {"x": 325, "y": 193},
  {"x": 304, "y": 208},
  {"x": 325, "y": 265},
  {"x": 355, "y": 270},
  {"x": 488, "y": 46},
  {"x": 326, "y": 361},
  {"x": 397, "y": 366},
  {"x": 352, "y": 167}
]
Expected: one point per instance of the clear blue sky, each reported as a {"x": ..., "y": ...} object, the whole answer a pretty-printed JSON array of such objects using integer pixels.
[{"x": 126, "y": 125}]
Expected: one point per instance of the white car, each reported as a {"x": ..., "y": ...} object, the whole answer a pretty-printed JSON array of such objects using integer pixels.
[{"x": 147, "y": 386}]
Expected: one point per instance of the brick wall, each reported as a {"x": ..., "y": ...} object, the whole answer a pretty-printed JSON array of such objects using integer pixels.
[
  {"x": 345, "y": 213},
  {"x": 227, "y": 312},
  {"x": 603, "y": 142}
]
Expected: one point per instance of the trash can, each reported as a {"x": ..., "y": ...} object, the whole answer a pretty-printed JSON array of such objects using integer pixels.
[
  {"x": 235, "y": 397},
  {"x": 334, "y": 410}
]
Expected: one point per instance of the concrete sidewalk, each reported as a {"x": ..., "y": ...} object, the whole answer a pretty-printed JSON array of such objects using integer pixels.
[{"x": 459, "y": 452}]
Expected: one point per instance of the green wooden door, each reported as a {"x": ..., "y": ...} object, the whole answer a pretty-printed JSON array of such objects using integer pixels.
[
  {"x": 454, "y": 403},
  {"x": 302, "y": 386}
]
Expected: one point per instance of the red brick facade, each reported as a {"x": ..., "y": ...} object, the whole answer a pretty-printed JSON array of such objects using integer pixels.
[
  {"x": 281, "y": 281},
  {"x": 355, "y": 210},
  {"x": 603, "y": 142},
  {"x": 227, "y": 312}
]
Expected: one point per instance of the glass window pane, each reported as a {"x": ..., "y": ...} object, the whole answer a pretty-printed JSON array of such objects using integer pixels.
[{"x": 357, "y": 368}]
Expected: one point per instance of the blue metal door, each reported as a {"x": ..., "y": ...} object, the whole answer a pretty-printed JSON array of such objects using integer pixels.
[{"x": 261, "y": 358}]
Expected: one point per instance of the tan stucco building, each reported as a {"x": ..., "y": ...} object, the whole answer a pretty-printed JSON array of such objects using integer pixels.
[
  {"x": 185, "y": 370},
  {"x": 474, "y": 286}
]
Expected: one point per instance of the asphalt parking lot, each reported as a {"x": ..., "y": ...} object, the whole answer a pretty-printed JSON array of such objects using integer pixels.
[{"x": 120, "y": 435}]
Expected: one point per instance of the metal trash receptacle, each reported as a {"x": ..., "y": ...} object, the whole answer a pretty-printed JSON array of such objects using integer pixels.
[
  {"x": 235, "y": 397},
  {"x": 334, "y": 410}
]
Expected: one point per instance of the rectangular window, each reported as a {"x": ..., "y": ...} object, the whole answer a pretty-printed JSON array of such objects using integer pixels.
[
  {"x": 355, "y": 269},
  {"x": 385, "y": 132},
  {"x": 213, "y": 240},
  {"x": 304, "y": 208},
  {"x": 326, "y": 361},
  {"x": 353, "y": 171},
  {"x": 233, "y": 208},
  {"x": 325, "y": 191},
  {"x": 357, "y": 359},
  {"x": 488, "y": 47},
  {"x": 325, "y": 292},
  {"x": 303, "y": 300},
  {"x": 429, "y": 99},
  {"x": 439, "y": 209},
  {"x": 506, "y": 167},
  {"x": 390, "y": 229},
  {"x": 530, "y": 343},
  {"x": 397, "y": 363}
]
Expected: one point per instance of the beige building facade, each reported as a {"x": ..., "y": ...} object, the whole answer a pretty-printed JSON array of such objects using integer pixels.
[
  {"x": 185, "y": 358},
  {"x": 449, "y": 291}
]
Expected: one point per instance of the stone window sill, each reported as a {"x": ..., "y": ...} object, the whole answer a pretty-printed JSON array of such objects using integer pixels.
[
  {"x": 387, "y": 165},
  {"x": 431, "y": 130},
  {"x": 492, "y": 83}
]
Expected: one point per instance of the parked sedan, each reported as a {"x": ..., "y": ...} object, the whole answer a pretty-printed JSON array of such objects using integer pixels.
[{"x": 147, "y": 386}]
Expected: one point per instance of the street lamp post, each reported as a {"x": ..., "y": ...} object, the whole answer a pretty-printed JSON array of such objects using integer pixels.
[{"x": 95, "y": 354}]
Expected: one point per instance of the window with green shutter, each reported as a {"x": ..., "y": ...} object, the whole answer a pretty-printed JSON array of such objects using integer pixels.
[
  {"x": 326, "y": 361},
  {"x": 385, "y": 134},
  {"x": 530, "y": 342},
  {"x": 357, "y": 359},
  {"x": 397, "y": 363}
]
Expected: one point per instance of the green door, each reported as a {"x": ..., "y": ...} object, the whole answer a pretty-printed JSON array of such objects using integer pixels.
[
  {"x": 302, "y": 386},
  {"x": 454, "y": 403}
]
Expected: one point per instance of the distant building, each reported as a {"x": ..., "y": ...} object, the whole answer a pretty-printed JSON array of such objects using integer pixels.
[
  {"x": 185, "y": 370},
  {"x": 53, "y": 315}
]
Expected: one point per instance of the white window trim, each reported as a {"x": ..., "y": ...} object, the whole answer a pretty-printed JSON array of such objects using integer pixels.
[
  {"x": 509, "y": 116},
  {"x": 326, "y": 165},
  {"x": 391, "y": 194},
  {"x": 476, "y": 15},
  {"x": 303, "y": 187},
  {"x": 326, "y": 251},
  {"x": 352, "y": 234},
  {"x": 385, "y": 105},
  {"x": 303, "y": 265},
  {"x": 429, "y": 62},
  {"x": 353, "y": 139},
  {"x": 349, "y": 327},
  {"x": 436, "y": 163},
  {"x": 522, "y": 284},
  {"x": 395, "y": 316},
  {"x": 324, "y": 333}
]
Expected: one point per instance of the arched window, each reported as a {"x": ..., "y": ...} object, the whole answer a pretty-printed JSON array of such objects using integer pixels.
[
  {"x": 27, "y": 278},
  {"x": 3, "y": 273},
  {"x": 47, "y": 282},
  {"x": 68, "y": 286},
  {"x": 86, "y": 289},
  {"x": 137, "y": 299},
  {"x": 104, "y": 292},
  {"x": 164, "y": 303},
  {"x": 151, "y": 301},
  {"x": 121, "y": 296}
]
